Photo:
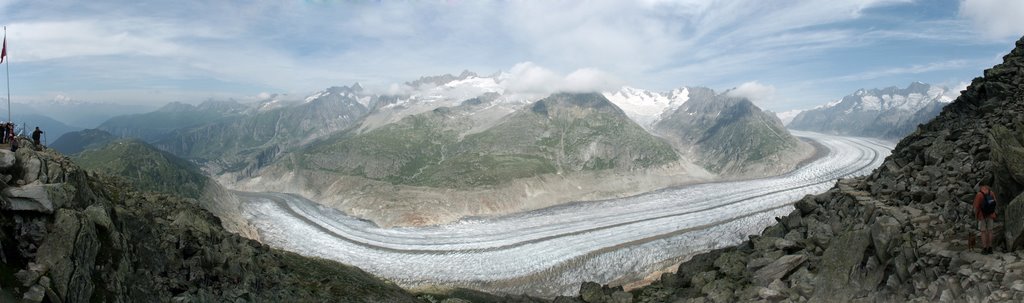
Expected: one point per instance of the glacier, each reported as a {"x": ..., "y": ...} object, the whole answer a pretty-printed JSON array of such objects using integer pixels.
[{"x": 550, "y": 251}]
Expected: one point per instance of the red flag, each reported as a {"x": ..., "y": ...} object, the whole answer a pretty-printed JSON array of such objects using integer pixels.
[{"x": 3, "y": 53}]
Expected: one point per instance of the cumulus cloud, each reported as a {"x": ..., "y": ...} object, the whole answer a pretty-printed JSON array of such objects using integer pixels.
[
  {"x": 530, "y": 78},
  {"x": 760, "y": 94},
  {"x": 995, "y": 18}
]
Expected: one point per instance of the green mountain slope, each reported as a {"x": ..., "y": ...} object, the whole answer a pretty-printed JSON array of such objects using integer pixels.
[
  {"x": 563, "y": 133},
  {"x": 75, "y": 142},
  {"x": 728, "y": 134},
  {"x": 145, "y": 167},
  {"x": 152, "y": 126}
]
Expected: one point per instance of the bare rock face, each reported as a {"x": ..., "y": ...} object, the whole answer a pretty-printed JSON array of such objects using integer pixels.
[{"x": 44, "y": 198}]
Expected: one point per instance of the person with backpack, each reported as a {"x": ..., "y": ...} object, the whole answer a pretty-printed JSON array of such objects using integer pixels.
[{"x": 985, "y": 211}]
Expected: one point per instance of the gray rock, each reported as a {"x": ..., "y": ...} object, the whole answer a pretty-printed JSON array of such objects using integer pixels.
[
  {"x": 883, "y": 232},
  {"x": 806, "y": 205},
  {"x": 719, "y": 290},
  {"x": 670, "y": 280},
  {"x": 591, "y": 292},
  {"x": 455, "y": 300},
  {"x": 44, "y": 198},
  {"x": 1013, "y": 226},
  {"x": 837, "y": 263},
  {"x": 98, "y": 215},
  {"x": 778, "y": 269},
  {"x": 7, "y": 160},
  {"x": 732, "y": 264},
  {"x": 758, "y": 263},
  {"x": 34, "y": 294},
  {"x": 769, "y": 294},
  {"x": 30, "y": 168},
  {"x": 70, "y": 253},
  {"x": 701, "y": 279},
  {"x": 786, "y": 245},
  {"x": 621, "y": 297}
]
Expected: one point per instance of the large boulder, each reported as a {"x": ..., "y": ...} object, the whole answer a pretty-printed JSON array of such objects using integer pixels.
[
  {"x": 838, "y": 261},
  {"x": 778, "y": 269},
  {"x": 44, "y": 198},
  {"x": 1007, "y": 148},
  {"x": 1014, "y": 223},
  {"x": 7, "y": 160}
]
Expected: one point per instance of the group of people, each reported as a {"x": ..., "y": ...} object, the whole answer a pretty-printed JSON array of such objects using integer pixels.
[
  {"x": 6, "y": 133},
  {"x": 9, "y": 136}
]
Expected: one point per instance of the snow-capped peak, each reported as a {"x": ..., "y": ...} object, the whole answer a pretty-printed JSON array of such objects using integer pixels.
[
  {"x": 788, "y": 116},
  {"x": 646, "y": 107}
]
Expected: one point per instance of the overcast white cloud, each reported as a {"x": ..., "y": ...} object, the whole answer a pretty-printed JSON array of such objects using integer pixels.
[
  {"x": 761, "y": 94},
  {"x": 138, "y": 51},
  {"x": 995, "y": 18},
  {"x": 530, "y": 78}
]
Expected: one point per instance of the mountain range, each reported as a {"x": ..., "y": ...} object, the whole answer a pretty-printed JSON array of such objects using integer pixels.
[
  {"x": 467, "y": 141},
  {"x": 888, "y": 113}
]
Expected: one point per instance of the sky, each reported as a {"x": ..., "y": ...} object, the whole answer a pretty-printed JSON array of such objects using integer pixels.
[{"x": 783, "y": 55}]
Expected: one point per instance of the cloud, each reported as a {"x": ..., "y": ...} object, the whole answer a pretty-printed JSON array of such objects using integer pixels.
[
  {"x": 100, "y": 49},
  {"x": 530, "y": 78},
  {"x": 760, "y": 94},
  {"x": 913, "y": 69},
  {"x": 995, "y": 18}
]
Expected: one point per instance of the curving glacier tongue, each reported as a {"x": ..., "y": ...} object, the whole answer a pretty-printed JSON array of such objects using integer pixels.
[{"x": 550, "y": 251}]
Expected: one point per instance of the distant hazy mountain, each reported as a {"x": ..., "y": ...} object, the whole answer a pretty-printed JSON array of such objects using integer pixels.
[
  {"x": 78, "y": 114},
  {"x": 52, "y": 128},
  {"x": 152, "y": 126},
  {"x": 884, "y": 113},
  {"x": 731, "y": 135},
  {"x": 249, "y": 141},
  {"x": 75, "y": 142},
  {"x": 563, "y": 133}
]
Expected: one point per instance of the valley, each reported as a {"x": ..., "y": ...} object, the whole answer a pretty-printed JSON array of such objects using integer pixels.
[{"x": 548, "y": 252}]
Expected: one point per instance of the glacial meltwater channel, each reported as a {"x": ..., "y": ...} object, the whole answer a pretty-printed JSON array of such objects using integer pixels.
[{"x": 550, "y": 251}]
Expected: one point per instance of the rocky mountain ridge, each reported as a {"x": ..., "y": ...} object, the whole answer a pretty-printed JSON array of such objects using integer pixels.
[
  {"x": 888, "y": 113},
  {"x": 66, "y": 236}
]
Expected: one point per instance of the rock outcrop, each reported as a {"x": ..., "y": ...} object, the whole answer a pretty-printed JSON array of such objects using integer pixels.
[
  {"x": 67, "y": 236},
  {"x": 901, "y": 234}
]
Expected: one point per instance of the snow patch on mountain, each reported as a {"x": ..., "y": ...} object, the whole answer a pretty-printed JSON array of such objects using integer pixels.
[
  {"x": 787, "y": 116},
  {"x": 646, "y": 107}
]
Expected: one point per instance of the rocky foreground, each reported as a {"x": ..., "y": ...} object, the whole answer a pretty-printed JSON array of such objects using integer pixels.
[
  {"x": 898, "y": 235},
  {"x": 66, "y": 236}
]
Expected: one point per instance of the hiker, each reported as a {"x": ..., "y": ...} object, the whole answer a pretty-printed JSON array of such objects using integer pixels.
[
  {"x": 14, "y": 142},
  {"x": 36, "y": 135},
  {"x": 985, "y": 211},
  {"x": 10, "y": 132}
]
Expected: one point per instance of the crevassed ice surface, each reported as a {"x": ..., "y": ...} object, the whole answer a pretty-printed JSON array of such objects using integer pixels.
[{"x": 550, "y": 251}]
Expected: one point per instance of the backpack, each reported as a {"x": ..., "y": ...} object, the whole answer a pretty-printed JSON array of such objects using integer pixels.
[{"x": 988, "y": 206}]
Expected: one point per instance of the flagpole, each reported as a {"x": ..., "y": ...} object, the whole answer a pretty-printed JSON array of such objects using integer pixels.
[{"x": 8, "y": 63}]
